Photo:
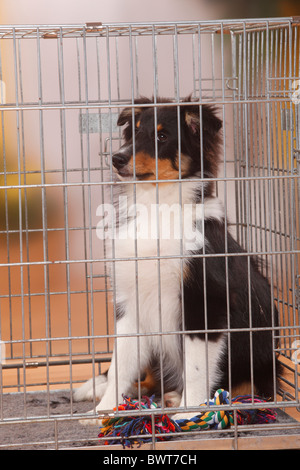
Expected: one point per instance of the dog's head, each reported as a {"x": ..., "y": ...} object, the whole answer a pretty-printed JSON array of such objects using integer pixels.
[{"x": 185, "y": 139}]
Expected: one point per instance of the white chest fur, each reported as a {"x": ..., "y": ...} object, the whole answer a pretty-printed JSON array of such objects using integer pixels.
[{"x": 156, "y": 229}]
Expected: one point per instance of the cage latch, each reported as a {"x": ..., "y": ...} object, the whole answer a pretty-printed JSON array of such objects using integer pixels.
[
  {"x": 230, "y": 83},
  {"x": 296, "y": 153}
]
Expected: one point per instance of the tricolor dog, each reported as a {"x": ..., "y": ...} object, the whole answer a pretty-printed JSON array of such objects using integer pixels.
[{"x": 194, "y": 312}]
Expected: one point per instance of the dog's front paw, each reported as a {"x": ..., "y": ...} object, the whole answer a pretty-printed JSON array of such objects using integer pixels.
[
  {"x": 105, "y": 409},
  {"x": 172, "y": 399},
  {"x": 86, "y": 391},
  {"x": 94, "y": 420}
]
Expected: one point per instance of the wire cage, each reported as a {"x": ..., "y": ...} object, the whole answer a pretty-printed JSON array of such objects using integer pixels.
[{"x": 62, "y": 89}]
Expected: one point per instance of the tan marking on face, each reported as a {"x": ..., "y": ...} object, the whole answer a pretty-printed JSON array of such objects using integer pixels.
[
  {"x": 143, "y": 165},
  {"x": 138, "y": 124},
  {"x": 159, "y": 127},
  {"x": 146, "y": 165}
]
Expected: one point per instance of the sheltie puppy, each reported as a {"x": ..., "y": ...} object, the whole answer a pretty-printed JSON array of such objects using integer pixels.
[{"x": 194, "y": 313}]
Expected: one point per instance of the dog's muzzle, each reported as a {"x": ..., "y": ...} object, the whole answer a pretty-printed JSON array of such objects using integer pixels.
[{"x": 120, "y": 160}]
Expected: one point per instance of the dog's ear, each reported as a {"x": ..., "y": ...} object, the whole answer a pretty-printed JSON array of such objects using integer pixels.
[
  {"x": 210, "y": 120},
  {"x": 192, "y": 119},
  {"x": 127, "y": 113},
  {"x": 207, "y": 117}
]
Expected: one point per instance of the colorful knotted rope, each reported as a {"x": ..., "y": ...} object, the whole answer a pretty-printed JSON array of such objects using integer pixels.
[
  {"x": 122, "y": 428},
  {"x": 224, "y": 418},
  {"x": 131, "y": 425}
]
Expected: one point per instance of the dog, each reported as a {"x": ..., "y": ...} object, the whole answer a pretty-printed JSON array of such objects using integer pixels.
[{"x": 194, "y": 312}]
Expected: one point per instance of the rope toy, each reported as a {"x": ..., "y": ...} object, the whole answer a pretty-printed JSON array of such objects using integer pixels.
[
  {"x": 123, "y": 427},
  {"x": 127, "y": 426}
]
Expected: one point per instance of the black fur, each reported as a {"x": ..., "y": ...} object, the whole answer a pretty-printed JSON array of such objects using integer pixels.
[{"x": 248, "y": 306}]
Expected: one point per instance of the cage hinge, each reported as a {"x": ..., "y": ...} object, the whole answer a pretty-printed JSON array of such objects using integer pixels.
[
  {"x": 92, "y": 123},
  {"x": 296, "y": 155},
  {"x": 287, "y": 121},
  {"x": 297, "y": 297},
  {"x": 297, "y": 289}
]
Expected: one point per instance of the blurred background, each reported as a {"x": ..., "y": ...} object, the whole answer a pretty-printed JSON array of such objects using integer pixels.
[{"x": 78, "y": 11}]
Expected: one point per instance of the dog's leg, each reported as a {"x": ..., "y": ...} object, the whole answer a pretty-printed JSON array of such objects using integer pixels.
[
  {"x": 128, "y": 353},
  {"x": 201, "y": 363}
]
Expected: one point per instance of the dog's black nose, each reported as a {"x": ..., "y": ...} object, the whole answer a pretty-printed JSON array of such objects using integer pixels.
[{"x": 119, "y": 160}]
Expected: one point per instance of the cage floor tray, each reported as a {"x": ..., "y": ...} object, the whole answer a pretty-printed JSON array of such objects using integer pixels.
[{"x": 62, "y": 431}]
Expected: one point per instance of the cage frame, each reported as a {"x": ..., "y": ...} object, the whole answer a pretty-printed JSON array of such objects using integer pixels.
[{"x": 236, "y": 30}]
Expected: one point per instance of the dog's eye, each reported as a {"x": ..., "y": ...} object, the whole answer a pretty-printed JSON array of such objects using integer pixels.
[{"x": 161, "y": 137}]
